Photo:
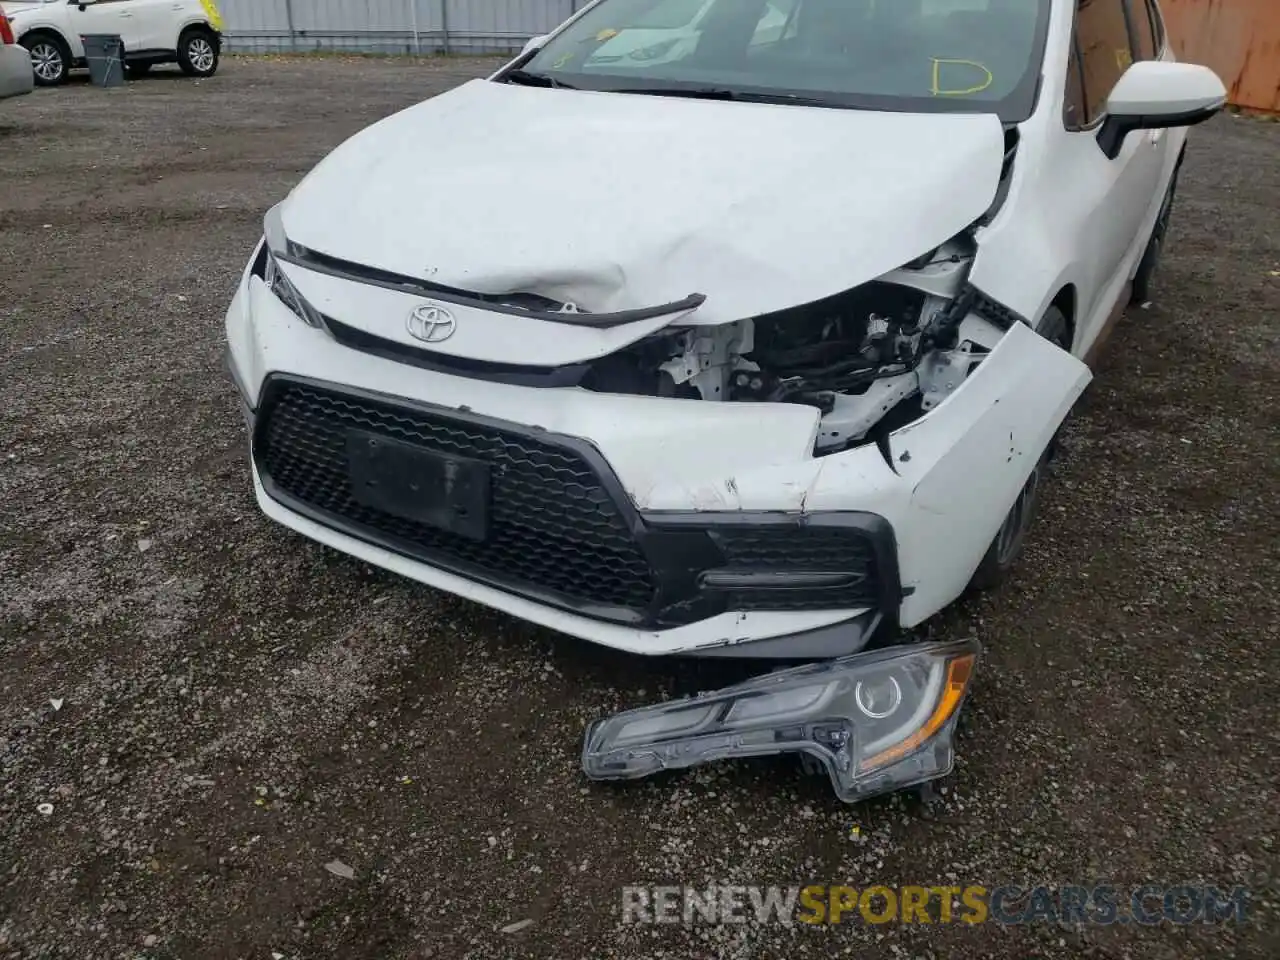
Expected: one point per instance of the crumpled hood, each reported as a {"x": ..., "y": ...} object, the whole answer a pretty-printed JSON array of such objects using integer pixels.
[{"x": 622, "y": 201}]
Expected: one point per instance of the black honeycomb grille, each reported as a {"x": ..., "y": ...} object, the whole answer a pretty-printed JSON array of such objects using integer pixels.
[
  {"x": 801, "y": 548},
  {"x": 553, "y": 527}
]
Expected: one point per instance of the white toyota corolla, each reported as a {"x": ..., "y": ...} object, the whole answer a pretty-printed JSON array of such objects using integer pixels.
[{"x": 755, "y": 346}]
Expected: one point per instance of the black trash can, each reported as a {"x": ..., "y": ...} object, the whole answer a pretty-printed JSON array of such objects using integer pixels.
[{"x": 105, "y": 55}]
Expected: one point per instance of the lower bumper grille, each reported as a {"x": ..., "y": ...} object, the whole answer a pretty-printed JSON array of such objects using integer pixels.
[
  {"x": 554, "y": 528},
  {"x": 558, "y": 527}
]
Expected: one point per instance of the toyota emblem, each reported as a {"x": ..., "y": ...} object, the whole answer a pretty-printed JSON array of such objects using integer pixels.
[{"x": 431, "y": 323}]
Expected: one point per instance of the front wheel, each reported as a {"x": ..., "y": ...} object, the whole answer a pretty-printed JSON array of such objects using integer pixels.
[
  {"x": 1007, "y": 547},
  {"x": 50, "y": 59},
  {"x": 198, "y": 53}
]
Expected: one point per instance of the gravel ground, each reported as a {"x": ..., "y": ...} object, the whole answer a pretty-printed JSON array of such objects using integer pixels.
[{"x": 240, "y": 707}]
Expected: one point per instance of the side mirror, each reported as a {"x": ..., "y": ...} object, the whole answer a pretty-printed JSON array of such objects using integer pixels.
[
  {"x": 1156, "y": 95},
  {"x": 533, "y": 44}
]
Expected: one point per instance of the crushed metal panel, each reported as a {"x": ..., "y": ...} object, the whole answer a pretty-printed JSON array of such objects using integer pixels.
[
  {"x": 693, "y": 216},
  {"x": 968, "y": 459}
]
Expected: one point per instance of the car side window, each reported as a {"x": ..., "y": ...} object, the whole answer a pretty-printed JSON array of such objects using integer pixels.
[
  {"x": 1145, "y": 44},
  {"x": 1157, "y": 24},
  {"x": 1102, "y": 35}
]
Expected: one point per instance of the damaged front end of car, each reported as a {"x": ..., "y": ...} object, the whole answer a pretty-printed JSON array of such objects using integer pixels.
[
  {"x": 875, "y": 365},
  {"x": 757, "y": 466},
  {"x": 869, "y": 359}
]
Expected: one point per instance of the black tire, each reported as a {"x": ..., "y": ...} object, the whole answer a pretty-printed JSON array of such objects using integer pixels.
[
  {"x": 1006, "y": 547},
  {"x": 50, "y": 58},
  {"x": 1150, "y": 263},
  {"x": 137, "y": 70},
  {"x": 199, "y": 52}
]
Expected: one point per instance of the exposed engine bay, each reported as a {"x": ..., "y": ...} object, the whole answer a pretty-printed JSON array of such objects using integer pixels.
[{"x": 891, "y": 346}]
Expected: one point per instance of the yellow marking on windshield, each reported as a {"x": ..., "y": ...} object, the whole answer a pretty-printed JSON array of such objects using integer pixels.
[
  {"x": 937, "y": 88},
  {"x": 607, "y": 34},
  {"x": 562, "y": 60}
]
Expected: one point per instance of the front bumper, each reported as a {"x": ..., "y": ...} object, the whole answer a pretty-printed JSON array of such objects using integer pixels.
[
  {"x": 573, "y": 553},
  {"x": 16, "y": 77},
  {"x": 665, "y": 473}
]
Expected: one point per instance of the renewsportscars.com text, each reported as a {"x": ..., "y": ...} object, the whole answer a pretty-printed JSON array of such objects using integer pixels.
[{"x": 815, "y": 904}]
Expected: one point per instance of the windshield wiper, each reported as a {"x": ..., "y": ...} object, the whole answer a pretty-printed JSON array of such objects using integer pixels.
[
  {"x": 527, "y": 79},
  {"x": 725, "y": 93}
]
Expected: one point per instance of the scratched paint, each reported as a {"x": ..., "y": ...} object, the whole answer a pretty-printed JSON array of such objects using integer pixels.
[{"x": 1240, "y": 39}]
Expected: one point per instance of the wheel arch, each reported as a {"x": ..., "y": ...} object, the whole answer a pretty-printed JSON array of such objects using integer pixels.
[
  {"x": 44, "y": 29},
  {"x": 1066, "y": 300},
  {"x": 198, "y": 23}
]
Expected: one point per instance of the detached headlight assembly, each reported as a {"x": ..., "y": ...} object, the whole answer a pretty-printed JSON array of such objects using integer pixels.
[
  {"x": 875, "y": 721},
  {"x": 275, "y": 246}
]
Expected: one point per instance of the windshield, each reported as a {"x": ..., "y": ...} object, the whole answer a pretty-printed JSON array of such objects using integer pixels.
[{"x": 958, "y": 56}]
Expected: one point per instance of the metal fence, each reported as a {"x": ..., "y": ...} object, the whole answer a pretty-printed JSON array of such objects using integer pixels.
[
  {"x": 1238, "y": 38},
  {"x": 389, "y": 26}
]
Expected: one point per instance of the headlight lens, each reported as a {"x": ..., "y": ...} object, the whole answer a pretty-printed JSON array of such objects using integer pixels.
[
  {"x": 878, "y": 698},
  {"x": 287, "y": 293},
  {"x": 876, "y": 721},
  {"x": 275, "y": 278}
]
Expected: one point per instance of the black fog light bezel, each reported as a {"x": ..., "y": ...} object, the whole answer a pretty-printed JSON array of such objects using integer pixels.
[{"x": 698, "y": 578}]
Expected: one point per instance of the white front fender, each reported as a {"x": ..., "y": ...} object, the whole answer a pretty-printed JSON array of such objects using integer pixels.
[{"x": 967, "y": 460}]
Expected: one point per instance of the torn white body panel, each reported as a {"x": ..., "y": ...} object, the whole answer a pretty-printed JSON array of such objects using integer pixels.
[
  {"x": 626, "y": 202},
  {"x": 968, "y": 459},
  {"x": 955, "y": 474}
]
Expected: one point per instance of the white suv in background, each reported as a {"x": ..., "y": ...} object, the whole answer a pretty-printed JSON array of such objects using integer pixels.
[{"x": 185, "y": 32}]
